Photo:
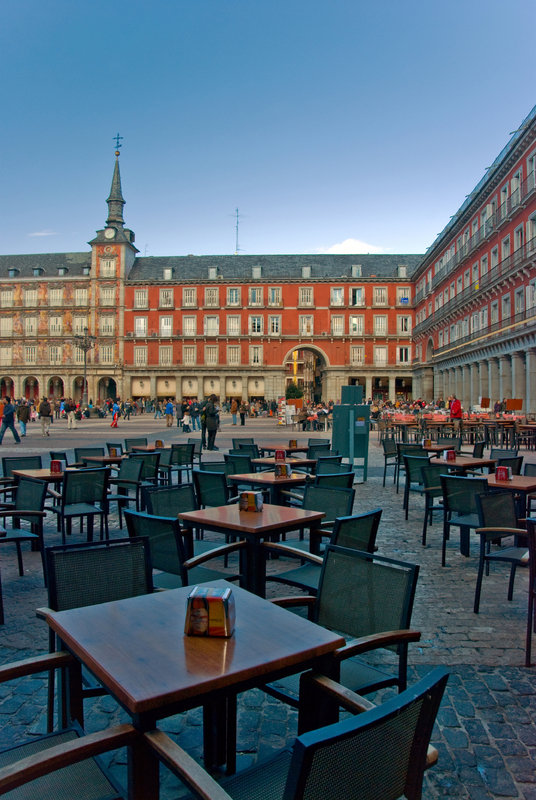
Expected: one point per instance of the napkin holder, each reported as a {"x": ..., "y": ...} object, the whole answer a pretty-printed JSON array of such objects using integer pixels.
[
  {"x": 283, "y": 471},
  {"x": 503, "y": 473},
  {"x": 251, "y": 501},
  {"x": 449, "y": 455},
  {"x": 57, "y": 466},
  {"x": 210, "y": 612}
]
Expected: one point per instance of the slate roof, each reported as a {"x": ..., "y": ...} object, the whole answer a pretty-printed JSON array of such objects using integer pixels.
[
  {"x": 48, "y": 262},
  {"x": 274, "y": 267}
]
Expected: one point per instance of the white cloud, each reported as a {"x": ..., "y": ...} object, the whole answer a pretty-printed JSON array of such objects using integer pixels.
[
  {"x": 43, "y": 233},
  {"x": 351, "y": 246}
]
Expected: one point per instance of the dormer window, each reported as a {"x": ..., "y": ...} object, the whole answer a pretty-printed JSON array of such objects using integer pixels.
[
  {"x": 37, "y": 271},
  {"x": 306, "y": 272},
  {"x": 212, "y": 273},
  {"x": 356, "y": 270},
  {"x": 86, "y": 270},
  {"x": 13, "y": 273},
  {"x": 402, "y": 271},
  {"x": 256, "y": 272},
  {"x": 168, "y": 273},
  {"x": 62, "y": 271}
]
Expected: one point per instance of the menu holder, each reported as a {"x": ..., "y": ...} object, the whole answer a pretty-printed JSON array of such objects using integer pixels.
[
  {"x": 57, "y": 466},
  {"x": 283, "y": 471},
  {"x": 251, "y": 501},
  {"x": 159, "y": 444},
  {"x": 280, "y": 455},
  {"x": 449, "y": 455},
  {"x": 503, "y": 473},
  {"x": 112, "y": 451},
  {"x": 210, "y": 612},
  {"x": 426, "y": 442},
  {"x": 293, "y": 443}
]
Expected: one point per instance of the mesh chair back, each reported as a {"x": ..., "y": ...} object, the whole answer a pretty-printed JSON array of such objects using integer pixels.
[
  {"x": 334, "y": 480},
  {"x": 459, "y": 494},
  {"x": 452, "y": 441},
  {"x": 30, "y": 496},
  {"x": 410, "y": 450},
  {"x": 198, "y": 450},
  {"x": 80, "y": 452},
  {"x": 170, "y": 501},
  {"x": 24, "y": 462},
  {"x": 321, "y": 450},
  {"x": 117, "y": 446},
  {"x": 478, "y": 449},
  {"x": 515, "y": 463},
  {"x": 357, "y": 532},
  {"x": 389, "y": 743},
  {"x": 129, "y": 470},
  {"x": 130, "y": 443},
  {"x": 312, "y": 442},
  {"x": 378, "y": 593},
  {"x": 333, "y": 502},
  {"x": 414, "y": 465},
  {"x": 389, "y": 447},
  {"x": 165, "y": 540},
  {"x": 240, "y": 465},
  {"x": 497, "y": 510},
  {"x": 496, "y": 452},
  {"x": 150, "y": 461},
  {"x": 182, "y": 454},
  {"x": 242, "y": 440},
  {"x": 165, "y": 458},
  {"x": 217, "y": 466},
  {"x": 431, "y": 479},
  {"x": 330, "y": 465},
  {"x": 211, "y": 488},
  {"x": 250, "y": 450},
  {"x": 86, "y": 574},
  {"x": 529, "y": 470},
  {"x": 85, "y": 486}
]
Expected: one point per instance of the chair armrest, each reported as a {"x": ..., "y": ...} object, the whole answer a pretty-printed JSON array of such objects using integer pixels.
[
  {"x": 294, "y": 601},
  {"x": 184, "y": 766},
  {"x": 123, "y": 480},
  {"x": 20, "y": 512},
  {"x": 43, "y": 612},
  {"x": 233, "y": 500},
  {"x": 367, "y": 643},
  {"x": 292, "y": 552},
  {"x": 291, "y": 495},
  {"x": 53, "y": 493},
  {"x": 35, "y": 664},
  {"x": 350, "y": 701},
  {"x": 502, "y": 531},
  {"x": 8, "y": 481},
  {"x": 63, "y": 755},
  {"x": 216, "y": 553}
]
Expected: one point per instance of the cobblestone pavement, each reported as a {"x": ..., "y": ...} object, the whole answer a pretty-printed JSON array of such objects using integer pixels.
[{"x": 486, "y": 732}]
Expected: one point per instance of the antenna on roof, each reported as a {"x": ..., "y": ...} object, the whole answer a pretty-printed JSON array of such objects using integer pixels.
[
  {"x": 146, "y": 248},
  {"x": 237, "y": 215}
]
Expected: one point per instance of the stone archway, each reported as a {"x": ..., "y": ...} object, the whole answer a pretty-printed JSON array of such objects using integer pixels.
[{"x": 306, "y": 366}]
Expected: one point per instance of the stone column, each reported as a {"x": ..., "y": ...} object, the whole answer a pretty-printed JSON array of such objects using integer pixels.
[
  {"x": 505, "y": 377},
  {"x": 494, "y": 388},
  {"x": 392, "y": 388},
  {"x": 466, "y": 386},
  {"x": 152, "y": 389},
  {"x": 530, "y": 381},
  {"x": 368, "y": 387},
  {"x": 518, "y": 378},
  {"x": 474, "y": 383},
  {"x": 483, "y": 381}
]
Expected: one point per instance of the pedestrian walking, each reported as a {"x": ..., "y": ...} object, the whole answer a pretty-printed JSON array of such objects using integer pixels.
[
  {"x": 45, "y": 414},
  {"x": 8, "y": 420},
  {"x": 195, "y": 414},
  {"x": 243, "y": 410},
  {"x": 234, "y": 410},
  {"x": 71, "y": 414},
  {"x": 23, "y": 416},
  {"x": 203, "y": 418},
  {"x": 169, "y": 414},
  {"x": 116, "y": 411}
]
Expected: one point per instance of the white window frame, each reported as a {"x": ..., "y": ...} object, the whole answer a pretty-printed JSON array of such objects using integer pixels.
[
  {"x": 255, "y": 325},
  {"x": 189, "y": 355},
  {"x": 140, "y": 356},
  {"x": 189, "y": 297},
  {"x": 80, "y": 298},
  {"x": 379, "y": 350},
  {"x": 189, "y": 326},
  {"x": 404, "y": 325},
  {"x": 356, "y": 324},
  {"x": 141, "y": 298},
  {"x": 357, "y": 296},
  {"x": 140, "y": 326},
  {"x": 106, "y": 354},
  {"x": 255, "y": 296},
  {"x": 337, "y": 296},
  {"x": 403, "y": 354},
  {"x": 165, "y": 355},
  {"x": 256, "y": 355},
  {"x": 380, "y": 324},
  {"x": 55, "y": 354},
  {"x": 233, "y": 354},
  {"x": 6, "y": 298},
  {"x": 30, "y": 326},
  {"x": 274, "y": 296},
  {"x": 233, "y": 325},
  {"x": 166, "y": 298},
  {"x": 274, "y": 325},
  {"x": 307, "y": 324},
  {"x": 107, "y": 326},
  {"x": 211, "y": 354},
  {"x": 234, "y": 297},
  {"x": 357, "y": 355},
  {"x": 6, "y": 326},
  {"x": 107, "y": 268},
  {"x": 30, "y": 298},
  {"x": 306, "y": 297},
  {"x": 211, "y": 325},
  {"x": 165, "y": 325},
  {"x": 337, "y": 325},
  {"x": 6, "y": 355},
  {"x": 379, "y": 296},
  {"x": 79, "y": 324},
  {"x": 212, "y": 297},
  {"x": 30, "y": 354},
  {"x": 107, "y": 296}
]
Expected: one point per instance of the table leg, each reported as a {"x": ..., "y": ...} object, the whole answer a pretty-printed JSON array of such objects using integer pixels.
[
  {"x": 464, "y": 540},
  {"x": 143, "y": 772}
]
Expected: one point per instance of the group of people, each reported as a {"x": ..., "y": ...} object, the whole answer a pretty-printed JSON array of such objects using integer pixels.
[{"x": 24, "y": 411}]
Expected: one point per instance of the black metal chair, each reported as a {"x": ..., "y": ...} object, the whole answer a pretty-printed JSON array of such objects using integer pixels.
[
  {"x": 459, "y": 499},
  {"x": 9, "y": 463},
  {"x": 382, "y": 752},
  {"x": 432, "y": 491},
  {"x": 182, "y": 460},
  {"x": 530, "y": 470},
  {"x": 242, "y": 440},
  {"x": 80, "y": 452},
  {"x": 410, "y": 449},
  {"x": 140, "y": 441},
  {"x": 128, "y": 479},
  {"x": 334, "y": 502},
  {"x": 497, "y": 521},
  {"x": 149, "y": 471},
  {"x": 117, "y": 446},
  {"x": 390, "y": 455},
  {"x": 414, "y": 483},
  {"x": 59, "y": 455},
  {"x": 531, "y": 615},
  {"x": 169, "y": 555},
  {"x": 369, "y": 600},
  {"x": 357, "y": 532},
  {"x": 81, "y": 575},
  {"x": 170, "y": 501},
  {"x": 198, "y": 450},
  {"x": 84, "y": 494},
  {"x": 25, "y": 769},
  {"x": 515, "y": 463}
]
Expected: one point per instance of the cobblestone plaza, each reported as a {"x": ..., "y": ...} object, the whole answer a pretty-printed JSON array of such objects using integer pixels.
[{"x": 486, "y": 732}]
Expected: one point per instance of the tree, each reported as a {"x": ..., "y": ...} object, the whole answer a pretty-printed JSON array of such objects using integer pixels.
[{"x": 293, "y": 390}]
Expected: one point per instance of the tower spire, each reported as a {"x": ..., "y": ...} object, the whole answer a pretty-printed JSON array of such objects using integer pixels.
[{"x": 115, "y": 200}]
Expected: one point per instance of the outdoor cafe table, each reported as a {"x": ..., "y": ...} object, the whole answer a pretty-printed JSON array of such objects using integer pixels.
[
  {"x": 254, "y": 527},
  {"x": 520, "y": 484},
  {"x": 106, "y": 461},
  {"x": 271, "y": 448},
  {"x": 268, "y": 480},
  {"x": 294, "y": 462},
  {"x": 137, "y": 650},
  {"x": 463, "y": 463}
]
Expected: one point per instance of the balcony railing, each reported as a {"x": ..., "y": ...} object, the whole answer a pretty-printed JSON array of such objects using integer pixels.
[{"x": 519, "y": 321}]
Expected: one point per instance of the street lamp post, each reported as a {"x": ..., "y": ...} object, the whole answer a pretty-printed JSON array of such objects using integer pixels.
[{"x": 85, "y": 342}]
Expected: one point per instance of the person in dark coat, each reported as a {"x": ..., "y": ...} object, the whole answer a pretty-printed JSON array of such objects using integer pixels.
[{"x": 211, "y": 413}]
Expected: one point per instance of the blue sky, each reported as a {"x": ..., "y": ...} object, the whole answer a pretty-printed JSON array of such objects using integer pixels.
[{"x": 332, "y": 125}]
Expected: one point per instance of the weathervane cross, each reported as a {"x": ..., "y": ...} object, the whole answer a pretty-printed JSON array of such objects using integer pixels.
[{"x": 116, "y": 139}]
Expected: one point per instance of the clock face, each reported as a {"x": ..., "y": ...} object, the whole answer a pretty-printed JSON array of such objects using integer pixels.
[{"x": 109, "y": 233}]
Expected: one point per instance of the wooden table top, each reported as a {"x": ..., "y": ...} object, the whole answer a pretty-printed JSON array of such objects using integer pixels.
[
  {"x": 149, "y": 448},
  {"x": 436, "y": 448},
  {"x": 519, "y": 483},
  {"x": 300, "y": 448},
  {"x": 465, "y": 462},
  {"x": 268, "y": 479},
  {"x": 104, "y": 459},
  {"x": 137, "y": 649},
  {"x": 40, "y": 474},
  {"x": 294, "y": 462},
  {"x": 271, "y": 518}
]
